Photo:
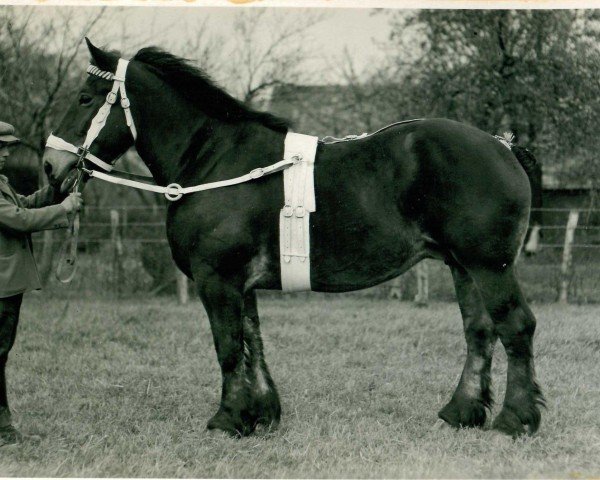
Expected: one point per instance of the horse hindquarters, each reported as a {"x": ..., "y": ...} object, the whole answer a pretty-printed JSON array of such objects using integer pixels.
[{"x": 476, "y": 202}]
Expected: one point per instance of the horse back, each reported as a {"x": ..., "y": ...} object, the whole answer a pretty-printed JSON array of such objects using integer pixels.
[{"x": 380, "y": 196}]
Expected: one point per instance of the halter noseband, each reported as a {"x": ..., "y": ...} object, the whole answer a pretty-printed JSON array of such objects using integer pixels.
[{"x": 99, "y": 121}]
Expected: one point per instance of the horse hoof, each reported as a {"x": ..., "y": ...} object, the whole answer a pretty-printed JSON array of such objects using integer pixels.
[
  {"x": 440, "y": 425},
  {"x": 466, "y": 413},
  {"x": 519, "y": 422},
  {"x": 9, "y": 435},
  {"x": 268, "y": 411},
  {"x": 267, "y": 424},
  {"x": 226, "y": 423}
]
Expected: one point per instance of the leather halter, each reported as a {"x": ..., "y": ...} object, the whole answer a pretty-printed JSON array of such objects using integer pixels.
[
  {"x": 99, "y": 121},
  {"x": 172, "y": 192},
  {"x": 67, "y": 265}
]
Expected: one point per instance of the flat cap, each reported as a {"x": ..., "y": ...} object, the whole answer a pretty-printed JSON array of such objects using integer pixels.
[{"x": 7, "y": 133}]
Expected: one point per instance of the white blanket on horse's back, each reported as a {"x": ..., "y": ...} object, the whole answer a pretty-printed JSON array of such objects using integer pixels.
[{"x": 294, "y": 218}]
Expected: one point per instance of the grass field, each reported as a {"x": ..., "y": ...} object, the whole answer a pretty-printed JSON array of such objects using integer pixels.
[{"x": 125, "y": 389}]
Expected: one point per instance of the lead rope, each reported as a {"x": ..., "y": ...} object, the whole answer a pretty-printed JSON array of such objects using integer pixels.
[
  {"x": 68, "y": 254},
  {"x": 67, "y": 263}
]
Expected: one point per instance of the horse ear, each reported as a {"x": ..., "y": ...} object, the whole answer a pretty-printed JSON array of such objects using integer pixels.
[{"x": 102, "y": 59}]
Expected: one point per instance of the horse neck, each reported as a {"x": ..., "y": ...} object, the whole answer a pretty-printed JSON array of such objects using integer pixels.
[
  {"x": 179, "y": 142},
  {"x": 164, "y": 125}
]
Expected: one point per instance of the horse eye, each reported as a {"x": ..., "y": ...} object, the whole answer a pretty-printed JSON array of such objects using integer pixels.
[{"x": 85, "y": 100}]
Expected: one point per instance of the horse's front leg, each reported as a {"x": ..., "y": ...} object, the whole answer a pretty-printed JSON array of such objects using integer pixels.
[
  {"x": 246, "y": 383},
  {"x": 222, "y": 299},
  {"x": 266, "y": 405}
]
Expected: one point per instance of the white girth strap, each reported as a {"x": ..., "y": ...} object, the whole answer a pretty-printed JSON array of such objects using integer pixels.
[{"x": 294, "y": 223}]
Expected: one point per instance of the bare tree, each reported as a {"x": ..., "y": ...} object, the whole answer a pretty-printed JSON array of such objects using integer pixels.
[
  {"x": 533, "y": 72},
  {"x": 37, "y": 71},
  {"x": 38, "y": 65},
  {"x": 256, "y": 64}
]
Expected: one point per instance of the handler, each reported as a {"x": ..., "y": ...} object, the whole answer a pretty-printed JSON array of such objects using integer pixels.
[{"x": 19, "y": 217}]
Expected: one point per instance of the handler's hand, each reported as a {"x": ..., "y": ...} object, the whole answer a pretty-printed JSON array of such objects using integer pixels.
[{"x": 73, "y": 202}]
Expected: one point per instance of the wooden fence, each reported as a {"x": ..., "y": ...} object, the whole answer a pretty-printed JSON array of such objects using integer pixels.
[{"x": 106, "y": 232}]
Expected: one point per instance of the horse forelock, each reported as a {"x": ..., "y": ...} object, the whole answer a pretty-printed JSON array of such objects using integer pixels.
[{"x": 202, "y": 90}]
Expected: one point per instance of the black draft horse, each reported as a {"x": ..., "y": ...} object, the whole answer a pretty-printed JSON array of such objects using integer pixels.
[{"x": 423, "y": 189}]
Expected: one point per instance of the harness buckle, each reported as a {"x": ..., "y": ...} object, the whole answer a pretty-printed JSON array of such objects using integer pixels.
[
  {"x": 173, "y": 192},
  {"x": 288, "y": 211},
  {"x": 125, "y": 103},
  {"x": 111, "y": 98},
  {"x": 82, "y": 153},
  {"x": 257, "y": 173},
  {"x": 297, "y": 158},
  {"x": 300, "y": 211}
]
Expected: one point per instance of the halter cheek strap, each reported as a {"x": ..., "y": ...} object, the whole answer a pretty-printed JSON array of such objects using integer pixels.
[{"x": 99, "y": 120}]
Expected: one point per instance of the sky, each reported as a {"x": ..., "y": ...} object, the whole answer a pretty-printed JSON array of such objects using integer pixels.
[{"x": 355, "y": 29}]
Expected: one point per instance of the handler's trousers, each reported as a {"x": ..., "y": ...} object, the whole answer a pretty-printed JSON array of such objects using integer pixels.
[{"x": 9, "y": 319}]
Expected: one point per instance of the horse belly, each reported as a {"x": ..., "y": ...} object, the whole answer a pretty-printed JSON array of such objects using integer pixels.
[
  {"x": 356, "y": 254},
  {"x": 359, "y": 236}
]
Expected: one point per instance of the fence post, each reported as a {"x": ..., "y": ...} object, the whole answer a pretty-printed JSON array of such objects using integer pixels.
[
  {"x": 395, "y": 291},
  {"x": 182, "y": 287},
  {"x": 117, "y": 248},
  {"x": 567, "y": 259},
  {"x": 422, "y": 296}
]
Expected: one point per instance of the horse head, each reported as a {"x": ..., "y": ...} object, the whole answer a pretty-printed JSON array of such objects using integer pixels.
[{"x": 91, "y": 134}]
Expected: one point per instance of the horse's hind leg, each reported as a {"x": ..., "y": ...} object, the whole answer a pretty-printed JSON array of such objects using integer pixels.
[
  {"x": 467, "y": 408},
  {"x": 515, "y": 325},
  {"x": 265, "y": 397}
]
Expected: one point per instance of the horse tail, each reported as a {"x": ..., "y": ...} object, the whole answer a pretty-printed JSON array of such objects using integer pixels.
[{"x": 534, "y": 171}]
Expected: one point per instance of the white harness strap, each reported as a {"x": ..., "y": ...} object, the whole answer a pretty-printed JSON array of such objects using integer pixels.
[
  {"x": 175, "y": 191},
  {"x": 99, "y": 121},
  {"x": 58, "y": 143},
  {"x": 294, "y": 223}
]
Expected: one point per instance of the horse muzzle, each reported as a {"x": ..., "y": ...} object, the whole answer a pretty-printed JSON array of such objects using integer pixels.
[{"x": 60, "y": 168}]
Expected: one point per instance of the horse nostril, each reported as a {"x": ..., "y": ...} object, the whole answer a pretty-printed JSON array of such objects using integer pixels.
[{"x": 47, "y": 168}]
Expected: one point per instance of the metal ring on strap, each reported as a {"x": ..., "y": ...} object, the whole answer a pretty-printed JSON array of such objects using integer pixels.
[{"x": 173, "y": 192}]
